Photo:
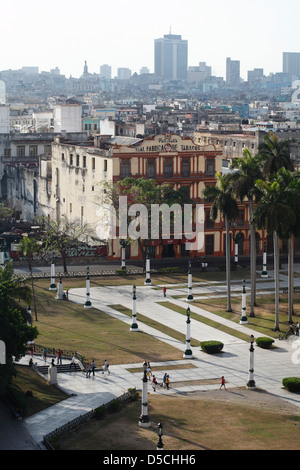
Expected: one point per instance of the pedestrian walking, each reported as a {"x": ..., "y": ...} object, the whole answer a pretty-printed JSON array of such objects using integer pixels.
[
  {"x": 149, "y": 373},
  {"x": 297, "y": 328},
  {"x": 31, "y": 350},
  {"x": 106, "y": 367},
  {"x": 168, "y": 382},
  {"x": 88, "y": 370},
  {"x": 154, "y": 383},
  {"x": 164, "y": 380},
  {"x": 73, "y": 363},
  {"x": 222, "y": 383},
  {"x": 93, "y": 367},
  {"x": 165, "y": 291},
  {"x": 45, "y": 354},
  {"x": 59, "y": 360}
]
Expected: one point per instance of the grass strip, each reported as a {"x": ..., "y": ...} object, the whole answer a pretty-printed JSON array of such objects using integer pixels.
[
  {"x": 158, "y": 326},
  {"x": 208, "y": 322}
]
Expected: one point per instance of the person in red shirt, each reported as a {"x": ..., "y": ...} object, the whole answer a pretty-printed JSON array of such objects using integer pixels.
[{"x": 222, "y": 383}]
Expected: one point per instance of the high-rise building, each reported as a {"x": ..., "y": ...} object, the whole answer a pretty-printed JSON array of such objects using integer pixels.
[
  {"x": 105, "y": 71},
  {"x": 123, "y": 73},
  {"x": 171, "y": 57},
  {"x": 232, "y": 72},
  {"x": 291, "y": 63}
]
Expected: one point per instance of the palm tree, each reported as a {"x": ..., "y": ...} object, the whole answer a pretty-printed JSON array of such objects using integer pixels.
[
  {"x": 274, "y": 154},
  {"x": 247, "y": 170},
  {"x": 222, "y": 201},
  {"x": 28, "y": 247},
  {"x": 277, "y": 215}
]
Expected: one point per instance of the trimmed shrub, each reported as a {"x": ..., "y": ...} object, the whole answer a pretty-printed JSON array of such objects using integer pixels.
[
  {"x": 171, "y": 269},
  {"x": 114, "y": 405},
  {"x": 100, "y": 412},
  {"x": 264, "y": 342},
  {"x": 292, "y": 384},
  {"x": 121, "y": 272},
  {"x": 211, "y": 347}
]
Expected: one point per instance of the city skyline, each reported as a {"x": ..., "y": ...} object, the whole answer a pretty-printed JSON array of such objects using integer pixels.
[{"x": 66, "y": 35}]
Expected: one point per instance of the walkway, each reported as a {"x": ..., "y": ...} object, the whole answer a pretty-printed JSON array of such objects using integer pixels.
[{"x": 88, "y": 393}]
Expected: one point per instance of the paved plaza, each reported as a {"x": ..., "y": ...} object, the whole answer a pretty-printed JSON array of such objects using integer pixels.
[{"x": 270, "y": 366}]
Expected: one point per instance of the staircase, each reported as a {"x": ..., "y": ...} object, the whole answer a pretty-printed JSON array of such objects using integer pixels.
[{"x": 60, "y": 368}]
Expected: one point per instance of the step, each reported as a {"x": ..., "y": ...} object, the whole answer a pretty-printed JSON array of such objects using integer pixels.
[{"x": 60, "y": 368}]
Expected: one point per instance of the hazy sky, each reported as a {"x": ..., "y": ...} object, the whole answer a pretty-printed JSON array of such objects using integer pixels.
[{"x": 65, "y": 33}]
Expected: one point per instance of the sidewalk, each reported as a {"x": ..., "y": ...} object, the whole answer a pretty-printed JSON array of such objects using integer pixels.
[{"x": 270, "y": 367}]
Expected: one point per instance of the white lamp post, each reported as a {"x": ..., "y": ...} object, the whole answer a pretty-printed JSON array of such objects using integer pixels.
[
  {"x": 148, "y": 280},
  {"x": 190, "y": 295},
  {"x": 144, "y": 418},
  {"x": 244, "y": 318},
  {"x": 134, "y": 326},
  {"x": 188, "y": 352},
  {"x": 264, "y": 271},
  {"x": 160, "y": 444},
  {"x": 251, "y": 383},
  {"x": 52, "y": 285},
  {"x": 88, "y": 303}
]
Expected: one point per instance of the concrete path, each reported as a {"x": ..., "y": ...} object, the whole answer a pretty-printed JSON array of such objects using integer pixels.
[{"x": 270, "y": 367}]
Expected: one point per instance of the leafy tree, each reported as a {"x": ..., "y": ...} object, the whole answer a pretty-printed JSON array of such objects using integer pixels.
[
  {"x": 223, "y": 202},
  {"x": 58, "y": 237},
  {"x": 147, "y": 193},
  {"x": 14, "y": 328},
  {"x": 247, "y": 170},
  {"x": 28, "y": 247},
  {"x": 277, "y": 214},
  {"x": 274, "y": 154}
]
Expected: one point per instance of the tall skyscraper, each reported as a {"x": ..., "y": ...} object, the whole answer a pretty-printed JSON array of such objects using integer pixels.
[
  {"x": 171, "y": 57},
  {"x": 232, "y": 72},
  {"x": 105, "y": 71},
  {"x": 291, "y": 63}
]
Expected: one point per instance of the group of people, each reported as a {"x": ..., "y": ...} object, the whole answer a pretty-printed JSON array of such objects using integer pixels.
[
  {"x": 165, "y": 382},
  {"x": 91, "y": 368}
]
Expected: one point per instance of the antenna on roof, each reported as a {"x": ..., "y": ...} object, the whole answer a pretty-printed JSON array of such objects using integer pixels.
[{"x": 170, "y": 29}]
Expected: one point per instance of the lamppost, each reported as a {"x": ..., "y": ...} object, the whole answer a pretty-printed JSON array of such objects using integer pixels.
[
  {"x": 134, "y": 326},
  {"x": 190, "y": 295},
  {"x": 251, "y": 383},
  {"x": 29, "y": 322},
  {"x": 144, "y": 418},
  {"x": 160, "y": 444},
  {"x": 264, "y": 271},
  {"x": 188, "y": 352},
  {"x": 123, "y": 244},
  {"x": 88, "y": 303},
  {"x": 148, "y": 280},
  {"x": 236, "y": 249},
  {"x": 52, "y": 285},
  {"x": 243, "y": 319}
]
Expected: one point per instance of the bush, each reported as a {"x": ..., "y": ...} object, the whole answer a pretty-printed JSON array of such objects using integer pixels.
[
  {"x": 172, "y": 269},
  {"x": 211, "y": 347},
  {"x": 292, "y": 384},
  {"x": 114, "y": 405},
  {"x": 121, "y": 272},
  {"x": 264, "y": 342},
  {"x": 100, "y": 412}
]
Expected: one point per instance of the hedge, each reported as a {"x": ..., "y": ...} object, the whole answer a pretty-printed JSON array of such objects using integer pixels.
[
  {"x": 264, "y": 342},
  {"x": 211, "y": 347},
  {"x": 292, "y": 384}
]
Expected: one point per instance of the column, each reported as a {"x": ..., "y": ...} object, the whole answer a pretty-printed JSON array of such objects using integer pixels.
[
  {"x": 190, "y": 296},
  {"x": 134, "y": 326},
  {"x": 264, "y": 271},
  {"x": 87, "y": 302},
  {"x": 243, "y": 319},
  {"x": 144, "y": 418},
  {"x": 52, "y": 285},
  {"x": 251, "y": 383},
  {"x": 188, "y": 352},
  {"x": 148, "y": 280}
]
